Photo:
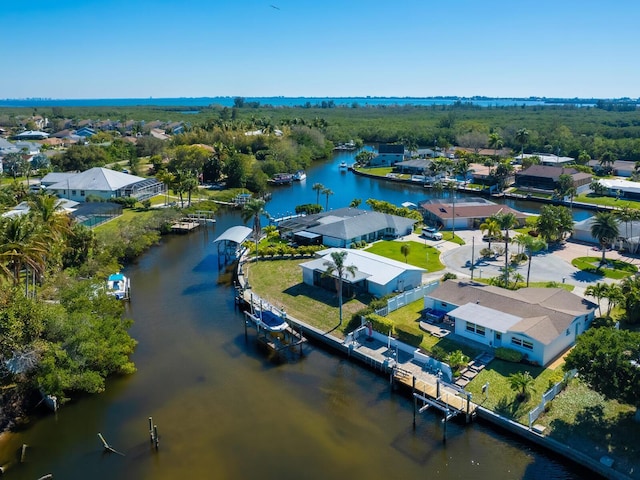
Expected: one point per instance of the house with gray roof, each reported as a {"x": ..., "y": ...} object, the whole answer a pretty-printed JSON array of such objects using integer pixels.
[
  {"x": 388, "y": 155},
  {"x": 373, "y": 274},
  {"x": 541, "y": 323},
  {"x": 101, "y": 182},
  {"x": 346, "y": 226}
]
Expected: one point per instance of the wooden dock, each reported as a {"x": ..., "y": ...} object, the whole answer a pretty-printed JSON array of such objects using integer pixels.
[{"x": 184, "y": 226}]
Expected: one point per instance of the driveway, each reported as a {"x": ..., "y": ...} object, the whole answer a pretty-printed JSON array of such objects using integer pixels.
[{"x": 553, "y": 264}]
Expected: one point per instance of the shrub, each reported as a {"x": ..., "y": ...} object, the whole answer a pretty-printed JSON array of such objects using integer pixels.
[
  {"x": 508, "y": 354},
  {"x": 126, "y": 202},
  {"x": 353, "y": 245},
  {"x": 438, "y": 353},
  {"x": 379, "y": 323},
  {"x": 409, "y": 337},
  {"x": 449, "y": 276}
]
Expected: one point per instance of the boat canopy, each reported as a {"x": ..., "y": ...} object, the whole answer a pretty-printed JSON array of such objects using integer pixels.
[{"x": 237, "y": 234}]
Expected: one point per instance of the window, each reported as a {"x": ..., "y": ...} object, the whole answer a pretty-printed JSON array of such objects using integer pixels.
[
  {"x": 522, "y": 343},
  {"x": 442, "y": 304},
  {"x": 477, "y": 329},
  {"x": 73, "y": 192},
  {"x": 82, "y": 193},
  {"x": 498, "y": 336}
]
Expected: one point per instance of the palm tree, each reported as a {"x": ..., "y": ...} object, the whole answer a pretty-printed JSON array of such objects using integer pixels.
[
  {"x": 491, "y": 227},
  {"x": 522, "y": 136},
  {"x": 337, "y": 269},
  {"x": 495, "y": 142},
  {"x": 506, "y": 221},
  {"x": 405, "y": 249},
  {"x": 521, "y": 382},
  {"x": 604, "y": 228},
  {"x": 47, "y": 209},
  {"x": 21, "y": 245},
  {"x": 318, "y": 187},
  {"x": 614, "y": 297},
  {"x": 253, "y": 209},
  {"x": 327, "y": 192},
  {"x": 457, "y": 360},
  {"x": 530, "y": 245},
  {"x": 598, "y": 291}
]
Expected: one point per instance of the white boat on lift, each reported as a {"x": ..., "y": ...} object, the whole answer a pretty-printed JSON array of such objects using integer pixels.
[{"x": 119, "y": 286}]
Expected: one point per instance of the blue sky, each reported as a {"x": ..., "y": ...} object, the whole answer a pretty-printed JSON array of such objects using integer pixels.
[{"x": 192, "y": 48}]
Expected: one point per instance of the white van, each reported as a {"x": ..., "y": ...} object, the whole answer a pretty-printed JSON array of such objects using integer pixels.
[{"x": 431, "y": 233}]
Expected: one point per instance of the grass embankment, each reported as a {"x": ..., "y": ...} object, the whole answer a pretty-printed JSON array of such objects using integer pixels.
[
  {"x": 423, "y": 256},
  {"x": 378, "y": 171},
  {"x": 615, "y": 269},
  {"x": 280, "y": 283},
  {"x": 606, "y": 201}
]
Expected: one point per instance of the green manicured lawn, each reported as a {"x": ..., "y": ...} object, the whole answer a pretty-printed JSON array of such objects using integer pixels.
[
  {"x": 380, "y": 171},
  {"x": 587, "y": 421},
  {"x": 113, "y": 226},
  {"x": 420, "y": 255},
  {"x": 450, "y": 237},
  {"x": 617, "y": 269},
  {"x": 606, "y": 201},
  {"x": 501, "y": 398},
  {"x": 280, "y": 283}
]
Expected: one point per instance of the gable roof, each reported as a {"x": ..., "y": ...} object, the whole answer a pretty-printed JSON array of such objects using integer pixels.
[
  {"x": 96, "y": 179},
  {"x": 544, "y": 312},
  {"x": 546, "y": 171}
]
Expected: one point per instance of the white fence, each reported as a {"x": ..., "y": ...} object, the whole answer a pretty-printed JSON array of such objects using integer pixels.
[
  {"x": 405, "y": 298},
  {"x": 550, "y": 395}
]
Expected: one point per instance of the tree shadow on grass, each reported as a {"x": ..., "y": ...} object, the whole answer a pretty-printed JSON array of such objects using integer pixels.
[
  {"x": 595, "y": 434},
  {"x": 510, "y": 408}
]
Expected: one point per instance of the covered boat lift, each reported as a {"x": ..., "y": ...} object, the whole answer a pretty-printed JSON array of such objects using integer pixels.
[{"x": 229, "y": 243}]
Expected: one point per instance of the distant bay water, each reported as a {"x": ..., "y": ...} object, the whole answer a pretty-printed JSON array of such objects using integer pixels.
[{"x": 285, "y": 101}]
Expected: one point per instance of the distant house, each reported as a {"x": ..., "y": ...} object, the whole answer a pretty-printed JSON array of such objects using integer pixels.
[
  {"x": 345, "y": 226},
  {"x": 85, "y": 132},
  {"x": 374, "y": 274},
  {"x": 543, "y": 177},
  {"x": 101, "y": 182},
  {"x": 388, "y": 155},
  {"x": 31, "y": 135},
  {"x": 545, "y": 159},
  {"x": 541, "y": 323},
  {"x": 466, "y": 213},
  {"x": 620, "y": 168}
]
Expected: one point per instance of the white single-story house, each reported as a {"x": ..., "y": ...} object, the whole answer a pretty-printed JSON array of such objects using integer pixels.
[
  {"x": 374, "y": 274},
  {"x": 63, "y": 205},
  {"x": 103, "y": 183},
  {"x": 541, "y": 323},
  {"x": 546, "y": 159},
  {"x": 616, "y": 187},
  {"x": 345, "y": 226},
  {"x": 629, "y": 237}
]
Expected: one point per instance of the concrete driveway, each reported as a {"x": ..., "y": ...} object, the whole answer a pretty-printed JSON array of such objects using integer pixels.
[{"x": 553, "y": 264}]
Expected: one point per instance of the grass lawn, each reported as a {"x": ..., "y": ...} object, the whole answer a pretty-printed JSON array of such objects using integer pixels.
[
  {"x": 420, "y": 255},
  {"x": 280, "y": 283},
  {"x": 531, "y": 194},
  {"x": 588, "y": 422},
  {"x": 450, "y": 237},
  {"x": 501, "y": 398},
  {"x": 380, "y": 171},
  {"x": 113, "y": 226},
  {"x": 606, "y": 201},
  {"x": 617, "y": 269}
]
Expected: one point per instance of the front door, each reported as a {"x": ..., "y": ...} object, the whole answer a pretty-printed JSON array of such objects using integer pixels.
[{"x": 497, "y": 339}]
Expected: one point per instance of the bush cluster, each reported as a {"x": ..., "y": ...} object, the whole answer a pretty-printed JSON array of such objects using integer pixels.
[{"x": 508, "y": 354}]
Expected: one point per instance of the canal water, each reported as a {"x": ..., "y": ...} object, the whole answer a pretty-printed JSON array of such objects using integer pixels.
[{"x": 223, "y": 410}]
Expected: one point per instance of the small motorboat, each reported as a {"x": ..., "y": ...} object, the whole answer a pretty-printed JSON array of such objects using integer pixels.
[
  {"x": 343, "y": 166},
  {"x": 299, "y": 176}
]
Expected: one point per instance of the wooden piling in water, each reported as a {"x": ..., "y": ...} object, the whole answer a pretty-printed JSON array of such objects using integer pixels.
[
  {"x": 151, "y": 429},
  {"x": 155, "y": 436},
  {"x": 23, "y": 454}
]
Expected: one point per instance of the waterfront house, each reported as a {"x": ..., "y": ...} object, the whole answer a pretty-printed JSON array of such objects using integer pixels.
[
  {"x": 548, "y": 160},
  {"x": 619, "y": 168},
  {"x": 543, "y": 177},
  {"x": 388, "y": 155},
  {"x": 374, "y": 274},
  {"x": 101, "y": 182},
  {"x": 540, "y": 323},
  {"x": 464, "y": 213},
  {"x": 616, "y": 187},
  {"x": 345, "y": 226}
]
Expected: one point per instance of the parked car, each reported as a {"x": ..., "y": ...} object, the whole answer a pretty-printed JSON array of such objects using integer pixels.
[{"x": 431, "y": 233}]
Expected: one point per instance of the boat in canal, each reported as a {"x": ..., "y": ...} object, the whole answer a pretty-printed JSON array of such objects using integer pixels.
[
  {"x": 119, "y": 286},
  {"x": 299, "y": 176},
  {"x": 343, "y": 166},
  {"x": 282, "y": 179},
  {"x": 270, "y": 320}
]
